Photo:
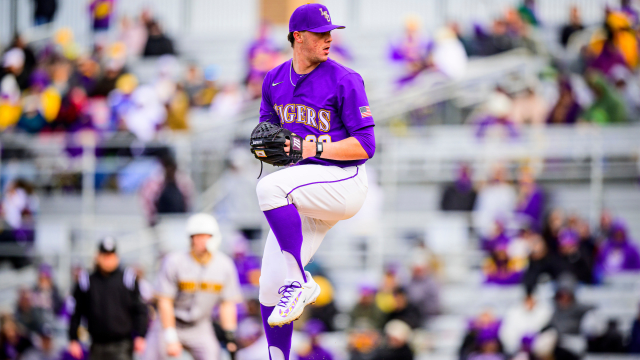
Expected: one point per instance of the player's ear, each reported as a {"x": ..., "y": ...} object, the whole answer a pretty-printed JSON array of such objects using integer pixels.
[{"x": 297, "y": 35}]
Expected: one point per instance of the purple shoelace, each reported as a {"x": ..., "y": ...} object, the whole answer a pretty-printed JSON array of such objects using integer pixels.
[{"x": 286, "y": 291}]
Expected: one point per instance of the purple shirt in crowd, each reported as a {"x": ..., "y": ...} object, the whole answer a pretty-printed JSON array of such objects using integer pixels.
[{"x": 328, "y": 104}]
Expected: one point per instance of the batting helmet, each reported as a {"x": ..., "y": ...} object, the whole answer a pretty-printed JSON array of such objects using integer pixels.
[{"x": 205, "y": 224}]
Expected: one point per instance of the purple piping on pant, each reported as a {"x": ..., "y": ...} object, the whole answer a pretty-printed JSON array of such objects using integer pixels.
[{"x": 321, "y": 182}]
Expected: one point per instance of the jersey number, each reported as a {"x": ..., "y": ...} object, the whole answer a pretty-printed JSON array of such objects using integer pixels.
[{"x": 321, "y": 138}]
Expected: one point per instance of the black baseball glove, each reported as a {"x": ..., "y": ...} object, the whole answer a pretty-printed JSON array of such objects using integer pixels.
[{"x": 268, "y": 141}]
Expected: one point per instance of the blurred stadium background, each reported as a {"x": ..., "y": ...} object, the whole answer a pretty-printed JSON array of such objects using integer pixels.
[{"x": 508, "y": 140}]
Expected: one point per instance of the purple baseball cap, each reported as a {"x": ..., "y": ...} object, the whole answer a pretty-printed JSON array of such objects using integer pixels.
[{"x": 312, "y": 17}]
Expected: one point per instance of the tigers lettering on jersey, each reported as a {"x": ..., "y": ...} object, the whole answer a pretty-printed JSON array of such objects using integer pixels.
[{"x": 306, "y": 115}]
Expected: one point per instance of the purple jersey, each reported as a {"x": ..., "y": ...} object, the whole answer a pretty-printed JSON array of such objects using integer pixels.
[{"x": 329, "y": 104}]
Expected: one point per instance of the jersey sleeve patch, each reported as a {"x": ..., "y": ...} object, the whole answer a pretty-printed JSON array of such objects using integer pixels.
[{"x": 365, "y": 111}]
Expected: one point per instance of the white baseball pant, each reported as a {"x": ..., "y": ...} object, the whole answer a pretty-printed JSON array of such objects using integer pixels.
[
  {"x": 323, "y": 196},
  {"x": 199, "y": 340}
]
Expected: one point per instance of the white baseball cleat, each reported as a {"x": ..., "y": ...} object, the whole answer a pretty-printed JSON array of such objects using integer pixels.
[{"x": 295, "y": 296}]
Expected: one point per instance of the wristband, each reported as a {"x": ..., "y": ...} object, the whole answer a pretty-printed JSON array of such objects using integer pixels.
[
  {"x": 319, "y": 148},
  {"x": 171, "y": 336}
]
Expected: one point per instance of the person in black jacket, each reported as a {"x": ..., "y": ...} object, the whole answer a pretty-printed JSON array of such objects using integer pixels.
[
  {"x": 541, "y": 261},
  {"x": 404, "y": 310},
  {"x": 109, "y": 300},
  {"x": 460, "y": 195},
  {"x": 157, "y": 43},
  {"x": 397, "y": 347}
]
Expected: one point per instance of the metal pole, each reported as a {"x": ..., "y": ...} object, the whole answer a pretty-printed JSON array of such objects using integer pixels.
[
  {"x": 88, "y": 190},
  {"x": 13, "y": 17},
  {"x": 597, "y": 176}
]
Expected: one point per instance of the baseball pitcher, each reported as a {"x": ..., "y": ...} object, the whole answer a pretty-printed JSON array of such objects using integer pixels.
[{"x": 314, "y": 119}]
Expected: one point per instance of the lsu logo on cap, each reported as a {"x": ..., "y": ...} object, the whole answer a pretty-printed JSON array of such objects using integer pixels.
[
  {"x": 325, "y": 14},
  {"x": 260, "y": 153}
]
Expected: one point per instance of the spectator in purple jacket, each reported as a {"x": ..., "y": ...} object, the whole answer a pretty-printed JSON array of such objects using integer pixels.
[
  {"x": 618, "y": 253},
  {"x": 500, "y": 269},
  {"x": 312, "y": 350},
  {"x": 530, "y": 199},
  {"x": 566, "y": 110}
]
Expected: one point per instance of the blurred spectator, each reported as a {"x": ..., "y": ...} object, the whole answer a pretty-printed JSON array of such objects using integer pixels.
[
  {"x": 495, "y": 121},
  {"x": 311, "y": 349},
  {"x": 603, "y": 232},
  {"x": 498, "y": 237},
  {"x": 363, "y": 341},
  {"x": 168, "y": 192},
  {"x": 384, "y": 297},
  {"x": 541, "y": 262},
  {"x": 529, "y": 107},
  {"x": 500, "y": 269},
  {"x": 575, "y": 261},
  {"x": 398, "y": 335},
  {"x": 205, "y": 95},
  {"x": 19, "y": 205},
  {"x": 412, "y": 51},
  {"x": 633, "y": 345},
  {"x": 627, "y": 8},
  {"x": 567, "y": 109},
  {"x": 629, "y": 89},
  {"x": 497, "y": 199},
  {"x": 608, "y": 106},
  {"x": 44, "y": 11},
  {"x": 366, "y": 309},
  {"x": 133, "y": 33},
  {"x": 26, "y": 314},
  {"x": 484, "y": 326},
  {"x": 12, "y": 342},
  {"x": 178, "y": 110},
  {"x": 404, "y": 310},
  {"x": 610, "y": 342},
  {"x": 523, "y": 320},
  {"x": 226, "y": 103},
  {"x": 157, "y": 42},
  {"x": 120, "y": 100},
  {"x": 148, "y": 113},
  {"x": 449, "y": 55},
  {"x": 530, "y": 199},
  {"x": 422, "y": 290},
  {"x": 460, "y": 195},
  {"x": 44, "y": 346},
  {"x": 101, "y": 13},
  {"x": 13, "y": 63},
  {"x": 10, "y": 106},
  {"x": 527, "y": 12},
  {"x": 116, "y": 330},
  {"x": 247, "y": 263},
  {"x": 554, "y": 223},
  {"x": 567, "y": 319},
  {"x": 262, "y": 56},
  {"x": 488, "y": 348},
  {"x": 194, "y": 82},
  {"x": 619, "y": 253},
  {"x": 41, "y": 104},
  {"x": 251, "y": 340},
  {"x": 325, "y": 308},
  {"x": 46, "y": 298},
  {"x": 574, "y": 25},
  {"x": 107, "y": 83},
  {"x": 605, "y": 59},
  {"x": 30, "y": 61}
]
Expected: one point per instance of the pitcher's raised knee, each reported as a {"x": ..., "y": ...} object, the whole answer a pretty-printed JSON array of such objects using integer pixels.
[{"x": 271, "y": 194}]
